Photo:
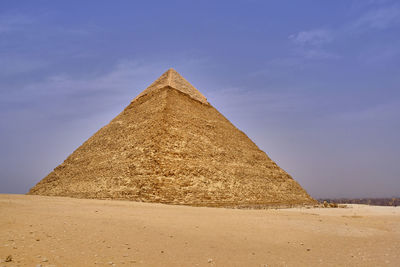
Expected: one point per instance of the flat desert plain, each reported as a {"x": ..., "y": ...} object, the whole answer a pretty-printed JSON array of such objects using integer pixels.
[{"x": 57, "y": 231}]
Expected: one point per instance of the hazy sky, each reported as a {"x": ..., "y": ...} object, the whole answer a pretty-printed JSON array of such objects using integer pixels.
[{"x": 315, "y": 84}]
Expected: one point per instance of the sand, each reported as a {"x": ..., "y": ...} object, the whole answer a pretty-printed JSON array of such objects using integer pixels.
[{"x": 58, "y": 231}]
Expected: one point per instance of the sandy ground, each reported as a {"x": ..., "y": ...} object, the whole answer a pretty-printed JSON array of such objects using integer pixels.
[{"x": 55, "y": 231}]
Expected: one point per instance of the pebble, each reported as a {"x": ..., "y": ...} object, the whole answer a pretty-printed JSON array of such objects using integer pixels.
[
  {"x": 210, "y": 260},
  {"x": 9, "y": 258},
  {"x": 45, "y": 260}
]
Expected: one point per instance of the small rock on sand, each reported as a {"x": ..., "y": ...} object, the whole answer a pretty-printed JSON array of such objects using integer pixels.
[{"x": 9, "y": 258}]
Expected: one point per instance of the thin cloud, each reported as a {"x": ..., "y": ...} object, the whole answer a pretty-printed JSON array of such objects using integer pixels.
[
  {"x": 83, "y": 95},
  {"x": 385, "y": 111},
  {"x": 9, "y": 23},
  {"x": 123, "y": 77},
  {"x": 14, "y": 65},
  {"x": 318, "y": 54},
  {"x": 310, "y": 44},
  {"x": 313, "y": 37},
  {"x": 378, "y": 19}
]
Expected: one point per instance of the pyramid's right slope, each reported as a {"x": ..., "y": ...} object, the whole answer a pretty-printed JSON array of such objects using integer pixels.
[{"x": 172, "y": 146}]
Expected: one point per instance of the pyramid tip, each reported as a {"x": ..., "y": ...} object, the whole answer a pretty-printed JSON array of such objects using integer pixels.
[
  {"x": 171, "y": 73},
  {"x": 171, "y": 70},
  {"x": 173, "y": 79}
]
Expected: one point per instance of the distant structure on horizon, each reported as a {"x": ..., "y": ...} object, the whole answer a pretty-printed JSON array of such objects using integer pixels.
[{"x": 169, "y": 145}]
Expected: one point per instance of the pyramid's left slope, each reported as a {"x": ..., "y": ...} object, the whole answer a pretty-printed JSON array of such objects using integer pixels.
[{"x": 133, "y": 135}]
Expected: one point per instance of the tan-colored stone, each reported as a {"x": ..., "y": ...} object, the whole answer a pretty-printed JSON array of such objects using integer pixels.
[
  {"x": 171, "y": 146},
  {"x": 175, "y": 80}
]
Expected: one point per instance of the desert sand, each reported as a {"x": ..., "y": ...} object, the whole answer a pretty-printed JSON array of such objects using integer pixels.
[{"x": 61, "y": 231}]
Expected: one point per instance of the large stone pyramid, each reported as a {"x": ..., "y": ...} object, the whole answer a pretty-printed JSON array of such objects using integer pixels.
[{"x": 169, "y": 145}]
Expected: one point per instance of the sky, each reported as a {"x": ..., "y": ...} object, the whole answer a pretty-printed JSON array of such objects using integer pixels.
[{"x": 315, "y": 84}]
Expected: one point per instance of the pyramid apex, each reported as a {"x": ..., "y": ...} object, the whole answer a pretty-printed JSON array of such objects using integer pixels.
[
  {"x": 173, "y": 79},
  {"x": 171, "y": 72}
]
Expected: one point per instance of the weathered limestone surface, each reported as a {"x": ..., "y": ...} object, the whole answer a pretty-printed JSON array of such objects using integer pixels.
[{"x": 171, "y": 146}]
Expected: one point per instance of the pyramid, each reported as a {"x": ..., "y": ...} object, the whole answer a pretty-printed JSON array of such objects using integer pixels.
[{"x": 169, "y": 145}]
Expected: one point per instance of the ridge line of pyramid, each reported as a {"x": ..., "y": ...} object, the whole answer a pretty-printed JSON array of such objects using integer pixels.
[{"x": 169, "y": 74}]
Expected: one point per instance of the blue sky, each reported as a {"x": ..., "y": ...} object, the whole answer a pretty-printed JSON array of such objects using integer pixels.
[{"x": 315, "y": 84}]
